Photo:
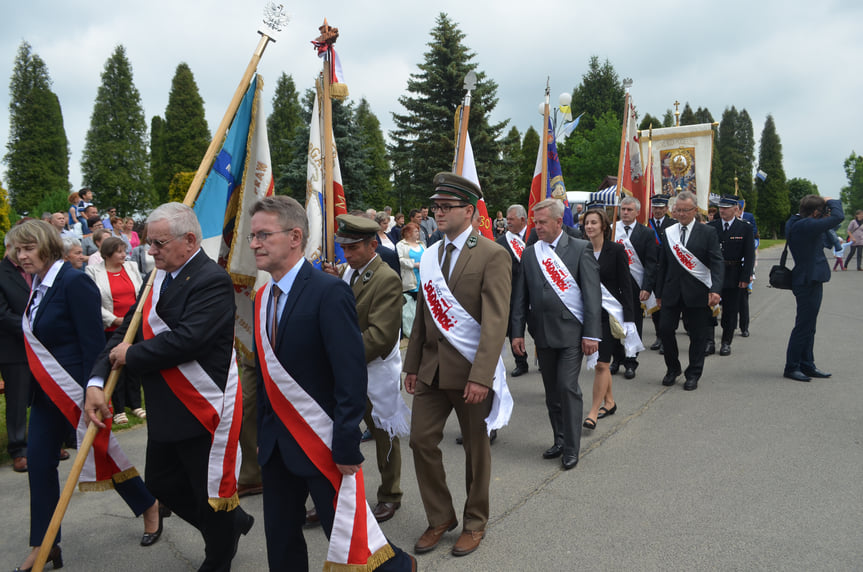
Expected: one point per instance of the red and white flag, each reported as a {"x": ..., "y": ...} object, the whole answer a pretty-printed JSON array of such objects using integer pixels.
[{"x": 469, "y": 173}]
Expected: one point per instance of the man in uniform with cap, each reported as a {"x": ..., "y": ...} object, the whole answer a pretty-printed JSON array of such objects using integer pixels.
[
  {"x": 738, "y": 250},
  {"x": 378, "y": 293},
  {"x": 467, "y": 276},
  {"x": 658, "y": 222}
]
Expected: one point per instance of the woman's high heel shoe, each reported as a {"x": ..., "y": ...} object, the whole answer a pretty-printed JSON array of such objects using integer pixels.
[
  {"x": 151, "y": 538},
  {"x": 55, "y": 557}
]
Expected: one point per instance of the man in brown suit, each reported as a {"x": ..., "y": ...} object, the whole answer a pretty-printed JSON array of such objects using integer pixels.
[
  {"x": 378, "y": 292},
  {"x": 478, "y": 275}
]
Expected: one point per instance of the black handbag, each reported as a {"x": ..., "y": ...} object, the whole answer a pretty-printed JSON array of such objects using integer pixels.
[{"x": 780, "y": 275}]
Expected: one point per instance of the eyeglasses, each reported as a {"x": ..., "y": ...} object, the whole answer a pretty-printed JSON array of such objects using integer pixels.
[
  {"x": 262, "y": 236},
  {"x": 160, "y": 244},
  {"x": 446, "y": 208},
  {"x": 682, "y": 210}
]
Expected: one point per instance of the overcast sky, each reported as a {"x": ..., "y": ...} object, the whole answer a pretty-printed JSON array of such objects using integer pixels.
[{"x": 799, "y": 61}]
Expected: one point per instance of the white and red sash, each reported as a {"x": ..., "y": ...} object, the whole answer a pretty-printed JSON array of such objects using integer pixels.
[
  {"x": 220, "y": 412},
  {"x": 686, "y": 259},
  {"x": 389, "y": 410},
  {"x": 636, "y": 266},
  {"x": 106, "y": 462},
  {"x": 462, "y": 332},
  {"x": 631, "y": 341},
  {"x": 356, "y": 540},
  {"x": 515, "y": 244}
]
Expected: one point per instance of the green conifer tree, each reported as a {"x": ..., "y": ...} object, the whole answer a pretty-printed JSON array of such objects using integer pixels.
[
  {"x": 527, "y": 164},
  {"x": 158, "y": 160},
  {"x": 852, "y": 193},
  {"x": 687, "y": 116},
  {"x": 37, "y": 152},
  {"x": 5, "y": 219},
  {"x": 283, "y": 126},
  {"x": 367, "y": 128},
  {"x": 600, "y": 91},
  {"x": 115, "y": 162},
  {"x": 797, "y": 189},
  {"x": 772, "y": 209}
]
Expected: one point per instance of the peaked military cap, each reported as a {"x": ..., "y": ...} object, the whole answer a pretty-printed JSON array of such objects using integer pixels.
[
  {"x": 726, "y": 201},
  {"x": 353, "y": 228},
  {"x": 451, "y": 186}
]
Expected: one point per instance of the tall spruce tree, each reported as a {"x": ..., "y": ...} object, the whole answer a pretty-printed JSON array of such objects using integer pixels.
[
  {"x": 5, "y": 221},
  {"x": 423, "y": 140},
  {"x": 687, "y": 116},
  {"x": 367, "y": 128},
  {"x": 185, "y": 135},
  {"x": 527, "y": 164},
  {"x": 746, "y": 154},
  {"x": 283, "y": 126},
  {"x": 772, "y": 209},
  {"x": 158, "y": 158},
  {"x": 588, "y": 156},
  {"x": 647, "y": 121},
  {"x": 599, "y": 92},
  {"x": 797, "y": 189},
  {"x": 852, "y": 193},
  {"x": 115, "y": 163},
  {"x": 37, "y": 152}
]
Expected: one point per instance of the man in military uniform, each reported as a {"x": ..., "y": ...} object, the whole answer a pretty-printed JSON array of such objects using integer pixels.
[
  {"x": 378, "y": 292},
  {"x": 463, "y": 301},
  {"x": 658, "y": 222},
  {"x": 738, "y": 250}
]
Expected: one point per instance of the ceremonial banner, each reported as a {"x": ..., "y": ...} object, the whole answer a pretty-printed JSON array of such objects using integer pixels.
[
  {"x": 315, "y": 203},
  {"x": 241, "y": 175},
  {"x": 630, "y": 171},
  {"x": 555, "y": 187},
  {"x": 681, "y": 158},
  {"x": 469, "y": 173}
]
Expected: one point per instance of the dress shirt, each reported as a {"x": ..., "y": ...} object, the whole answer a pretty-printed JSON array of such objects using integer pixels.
[
  {"x": 40, "y": 288},
  {"x": 688, "y": 228},
  {"x": 459, "y": 244}
]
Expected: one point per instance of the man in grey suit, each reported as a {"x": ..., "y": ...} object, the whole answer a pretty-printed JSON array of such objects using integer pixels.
[{"x": 561, "y": 337}]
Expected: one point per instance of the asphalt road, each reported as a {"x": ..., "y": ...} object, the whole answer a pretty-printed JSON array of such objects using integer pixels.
[{"x": 751, "y": 471}]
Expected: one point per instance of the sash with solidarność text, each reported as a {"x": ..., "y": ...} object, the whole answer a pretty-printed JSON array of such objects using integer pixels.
[
  {"x": 636, "y": 267},
  {"x": 515, "y": 244}
]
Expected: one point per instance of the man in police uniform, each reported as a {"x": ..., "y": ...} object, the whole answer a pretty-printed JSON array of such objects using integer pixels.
[
  {"x": 658, "y": 222},
  {"x": 478, "y": 274},
  {"x": 378, "y": 292},
  {"x": 738, "y": 250}
]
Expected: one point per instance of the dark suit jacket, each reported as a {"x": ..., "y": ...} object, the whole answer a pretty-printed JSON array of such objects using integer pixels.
[
  {"x": 666, "y": 222},
  {"x": 390, "y": 257},
  {"x": 804, "y": 236},
  {"x": 199, "y": 308},
  {"x": 614, "y": 275},
  {"x": 677, "y": 287},
  {"x": 14, "y": 294},
  {"x": 738, "y": 250},
  {"x": 644, "y": 241},
  {"x": 536, "y": 303},
  {"x": 319, "y": 343},
  {"x": 69, "y": 322},
  {"x": 516, "y": 272}
]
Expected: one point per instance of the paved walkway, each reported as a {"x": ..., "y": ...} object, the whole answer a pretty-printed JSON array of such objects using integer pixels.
[{"x": 751, "y": 471}]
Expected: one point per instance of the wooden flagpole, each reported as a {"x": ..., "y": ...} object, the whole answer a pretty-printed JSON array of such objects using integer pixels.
[
  {"x": 192, "y": 194},
  {"x": 463, "y": 120},
  {"x": 620, "y": 163},
  {"x": 544, "y": 165},
  {"x": 329, "y": 162}
]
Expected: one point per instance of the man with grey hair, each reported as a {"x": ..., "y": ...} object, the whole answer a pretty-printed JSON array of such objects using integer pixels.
[
  {"x": 513, "y": 241},
  {"x": 688, "y": 282},
  {"x": 190, "y": 382}
]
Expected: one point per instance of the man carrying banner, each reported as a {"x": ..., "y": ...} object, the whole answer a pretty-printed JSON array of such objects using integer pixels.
[
  {"x": 559, "y": 295},
  {"x": 738, "y": 250},
  {"x": 378, "y": 293},
  {"x": 688, "y": 281},
  {"x": 190, "y": 381},
  {"x": 513, "y": 240},
  {"x": 658, "y": 222},
  {"x": 453, "y": 361},
  {"x": 641, "y": 249},
  {"x": 311, "y": 398}
]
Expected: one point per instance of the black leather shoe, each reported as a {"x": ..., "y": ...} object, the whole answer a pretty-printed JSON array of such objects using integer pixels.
[
  {"x": 710, "y": 349},
  {"x": 670, "y": 377},
  {"x": 629, "y": 373},
  {"x": 604, "y": 412},
  {"x": 568, "y": 462},
  {"x": 459, "y": 440},
  {"x": 492, "y": 437},
  {"x": 553, "y": 452},
  {"x": 744, "y": 333},
  {"x": 691, "y": 383},
  {"x": 725, "y": 350},
  {"x": 151, "y": 538},
  {"x": 796, "y": 375},
  {"x": 614, "y": 368},
  {"x": 656, "y": 345},
  {"x": 518, "y": 371},
  {"x": 815, "y": 372},
  {"x": 244, "y": 524}
]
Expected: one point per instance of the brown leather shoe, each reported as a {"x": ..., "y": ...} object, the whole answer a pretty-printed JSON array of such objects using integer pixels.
[
  {"x": 19, "y": 464},
  {"x": 432, "y": 536},
  {"x": 384, "y": 511},
  {"x": 467, "y": 542},
  {"x": 249, "y": 490},
  {"x": 312, "y": 518}
]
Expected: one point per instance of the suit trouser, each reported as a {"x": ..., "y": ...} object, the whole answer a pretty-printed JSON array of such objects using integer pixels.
[
  {"x": 17, "y": 379},
  {"x": 730, "y": 310},
  {"x": 802, "y": 340},
  {"x": 177, "y": 476},
  {"x": 431, "y": 408},
  {"x": 744, "y": 310},
  {"x": 560, "y": 368},
  {"x": 699, "y": 321},
  {"x": 285, "y": 494},
  {"x": 389, "y": 457},
  {"x": 250, "y": 471},
  {"x": 48, "y": 430}
]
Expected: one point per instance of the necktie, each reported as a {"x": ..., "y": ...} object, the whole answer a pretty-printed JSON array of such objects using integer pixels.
[
  {"x": 683, "y": 235},
  {"x": 274, "y": 322},
  {"x": 444, "y": 268},
  {"x": 168, "y": 278},
  {"x": 626, "y": 228},
  {"x": 726, "y": 227},
  {"x": 354, "y": 277}
]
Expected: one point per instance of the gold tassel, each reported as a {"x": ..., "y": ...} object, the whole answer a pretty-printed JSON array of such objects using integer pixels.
[
  {"x": 339, "y": 91},
  {"x": 96, "y": 486},
  {"x": 375, "y": 560},
  {"x": 124, "y": 476},
  {"x": 227, "y": 504}
]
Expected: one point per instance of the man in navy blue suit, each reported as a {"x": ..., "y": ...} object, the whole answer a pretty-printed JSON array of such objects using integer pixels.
[
  {"x": 311, "y": 329},
  {"x": 804, "y": 232}
]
